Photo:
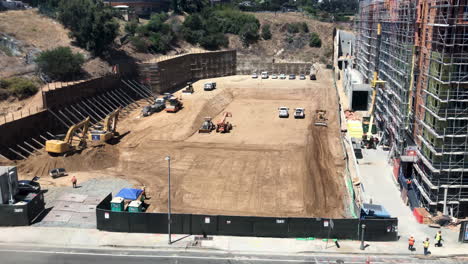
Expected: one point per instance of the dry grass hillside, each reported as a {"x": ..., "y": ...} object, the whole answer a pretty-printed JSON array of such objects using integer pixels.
[
  {"x": 35, "y": 32},
  {"x": 298, "y": 50}
]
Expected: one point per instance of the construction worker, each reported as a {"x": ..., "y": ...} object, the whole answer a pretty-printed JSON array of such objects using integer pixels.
[
  {"x": 426, "y": 244},
  {"x": 408, "y": 183},
  {"x": 411, "y": 243},
  {"x": 73, "y": 180},
  {"x": 438, "y": 238},
  {"x": 143, "y": 193}
]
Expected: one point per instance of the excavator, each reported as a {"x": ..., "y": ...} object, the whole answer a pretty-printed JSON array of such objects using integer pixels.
[
  {"x": 224, "y": 126},
  {"x": 60, "y": 147},
  {"x": 104, "y": 133}
]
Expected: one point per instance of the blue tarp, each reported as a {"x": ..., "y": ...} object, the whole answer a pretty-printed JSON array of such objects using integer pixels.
[
  {"x": 129, "y": 193},
  {"x": 374, "y": 210}
]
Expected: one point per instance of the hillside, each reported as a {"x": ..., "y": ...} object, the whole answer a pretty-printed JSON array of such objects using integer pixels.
[{"x": 33, "y": 33}]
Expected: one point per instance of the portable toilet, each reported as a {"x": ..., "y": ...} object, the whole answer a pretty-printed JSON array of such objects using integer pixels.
[
  {"x": 117, "y": 204},
  {"x": 135, "y": 206}
]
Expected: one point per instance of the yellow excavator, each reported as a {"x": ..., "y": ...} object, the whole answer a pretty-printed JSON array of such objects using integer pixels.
[
  {"x": 58, "y": 146},
  {"x": 104, "y": 133}
]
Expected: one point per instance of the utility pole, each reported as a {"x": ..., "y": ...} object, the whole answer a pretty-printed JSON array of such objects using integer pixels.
[
  {"x": 363, "y": 227},
  {"x": 168, "y": 158}
]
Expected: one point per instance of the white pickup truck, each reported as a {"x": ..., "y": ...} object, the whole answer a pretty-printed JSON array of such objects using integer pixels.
[
  {"x": 299, "y": 113},
  {"x": 283, "y": 112},
  {"x": 209, "y": 86}
]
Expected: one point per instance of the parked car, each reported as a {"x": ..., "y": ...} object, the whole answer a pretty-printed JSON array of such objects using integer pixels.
[
  {"x": 209, "y": 86},
  {"x": 57, "y": 172},
  {"x": 27, "y": 186},
  {"x": 299, "y": 113},
  {"x": 264, "y": 75},
  {"x": 302, "y": 77},
  {"x": 158, "y": 106},
  {"x": 282, "y": 76},
  {"x": 254, "y": 75},
  {"x": 274, "y": 76},
  {"x": 283, "y": 112},
  {"x": 292, "y": 76}
]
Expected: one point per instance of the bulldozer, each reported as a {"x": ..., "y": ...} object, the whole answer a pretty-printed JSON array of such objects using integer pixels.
[
  {"x": 320, "y": 118},
  {"x": 60, "y": 147},
  {"x": 101, "y": 134},
  {"x": 188, "y": 88},
  {"x": 207, "y": 126},
  {"x": 224, "y": 126}
]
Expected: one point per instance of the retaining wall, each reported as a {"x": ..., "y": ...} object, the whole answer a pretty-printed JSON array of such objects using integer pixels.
[
  {"x": 376, "y": 229},
  {"x": 166, "y": 75},
  {"x": 247, "y": 66}
]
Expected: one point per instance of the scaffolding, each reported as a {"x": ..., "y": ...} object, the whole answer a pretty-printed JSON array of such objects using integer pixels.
[{"x": 420, "y": 49}]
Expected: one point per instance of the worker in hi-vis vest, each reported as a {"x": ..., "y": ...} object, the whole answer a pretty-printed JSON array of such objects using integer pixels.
[
  {"x": 411, "y": 241},
  {"x": 426, "y": 246}
]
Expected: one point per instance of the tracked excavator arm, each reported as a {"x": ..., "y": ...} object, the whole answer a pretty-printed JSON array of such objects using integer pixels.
[{"x": 56, "y": 146}]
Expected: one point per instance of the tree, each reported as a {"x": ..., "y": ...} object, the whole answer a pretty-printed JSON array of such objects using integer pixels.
[
  {"x": 266, "y": 33},
  {"x": 60, "y": 63},
  {"x": 315, "y": 40},
  {"x": 131, "y": 27},
  {"x": 92, "y": 24},
  {"x": 249, "y": 34}
]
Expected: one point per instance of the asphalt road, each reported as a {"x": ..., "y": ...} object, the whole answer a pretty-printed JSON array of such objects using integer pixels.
[{"x": 38, "y": 255}]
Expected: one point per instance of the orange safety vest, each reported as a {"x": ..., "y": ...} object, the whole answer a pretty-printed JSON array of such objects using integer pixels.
[{"x": 411, "y": 241}]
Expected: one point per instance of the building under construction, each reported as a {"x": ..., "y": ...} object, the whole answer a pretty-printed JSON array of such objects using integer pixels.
[{"x": 420, "y": 49}]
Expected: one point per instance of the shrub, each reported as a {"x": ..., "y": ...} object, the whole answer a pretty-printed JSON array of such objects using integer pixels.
[
  {"x": 214, "y": 41},
  {"x": 60, "y": 63},
  {"x": 315, "y": 40},
  {"x": 131, "y": 27},
  {"x": 249, "y": 34},
  {"x": 293, "y": 28},
  {"x": 304, "y": 27},
  {"x": 139, "y": 44},
  {"x": 17, "y": 86},
  {"x": 266, "y": 33}
]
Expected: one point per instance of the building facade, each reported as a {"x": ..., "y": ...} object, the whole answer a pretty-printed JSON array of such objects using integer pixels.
[{"x": 420, "y": 49}]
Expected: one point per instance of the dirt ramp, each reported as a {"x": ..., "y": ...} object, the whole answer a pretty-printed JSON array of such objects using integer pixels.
[
  {"x": 211, "y": 108},
  {"x": 91, "y": 158}
]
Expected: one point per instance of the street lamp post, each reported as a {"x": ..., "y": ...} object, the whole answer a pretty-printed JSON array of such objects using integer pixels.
[
  {"x": 363, "y": 228},
  {"x": 168, "y": 158}
]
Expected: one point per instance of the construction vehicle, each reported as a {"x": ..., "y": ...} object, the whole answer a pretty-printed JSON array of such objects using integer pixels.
[
  {"x": 207, "y": 126},
  {"x": 174, "y": 105},
  {"x": 65, "y": 145},
  {"x": 209, "y": 86},
  {"x": 283, "y": 112},
  {"x": 188, "y": 88},
  {"x": 101, "y": 134},
  {"x": 159, "y": 105},
  {"x": 224, "y": 126},
  {"x": 321, "y": 118},
  {"x": 313, "y": 73},
  {"x": 367, "y": 138},
  {"x": 299, "y": 113}
]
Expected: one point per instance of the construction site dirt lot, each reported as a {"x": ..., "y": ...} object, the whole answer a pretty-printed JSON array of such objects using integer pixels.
[{"x": 266, "y": 166}]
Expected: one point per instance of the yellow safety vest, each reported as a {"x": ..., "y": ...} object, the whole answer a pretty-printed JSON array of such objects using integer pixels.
[
  {"x": 426, "y": 244},
  {"x": 438, "y": 236}
]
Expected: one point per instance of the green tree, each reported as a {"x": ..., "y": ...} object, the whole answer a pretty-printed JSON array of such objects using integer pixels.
[
  {"x": 293, "y": 28},
  {"x": 249, "y": 34},
  {"x": 131, "y": 27},
  {"x": 266, "y": 33},
  {"x": 60, "y": 63},
  {"x": 91, "y": 24},
  {"x": 315, "y": 40}
]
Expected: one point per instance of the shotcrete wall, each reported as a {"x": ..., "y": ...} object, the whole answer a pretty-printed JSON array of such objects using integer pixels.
[
  {"x": 166, "y": 75},
  {"x": 247, "y": 66}
]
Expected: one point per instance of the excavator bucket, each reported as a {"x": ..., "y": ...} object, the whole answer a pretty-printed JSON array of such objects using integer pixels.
[{"x": 321, "y": 118}]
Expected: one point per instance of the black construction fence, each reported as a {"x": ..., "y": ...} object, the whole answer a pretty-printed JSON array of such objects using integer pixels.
[
  {"x": 375, "y": 229},
  {"x": 24, "y": 214}
]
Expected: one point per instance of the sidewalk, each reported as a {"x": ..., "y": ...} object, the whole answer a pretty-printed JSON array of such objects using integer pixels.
[{"x": 91, "y": 238}]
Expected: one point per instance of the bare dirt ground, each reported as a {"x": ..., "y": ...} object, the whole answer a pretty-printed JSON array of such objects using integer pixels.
[{"x": 266, "y": 166}]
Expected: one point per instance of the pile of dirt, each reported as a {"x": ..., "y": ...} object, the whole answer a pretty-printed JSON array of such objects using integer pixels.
[{"x": 92, "y": 158}]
